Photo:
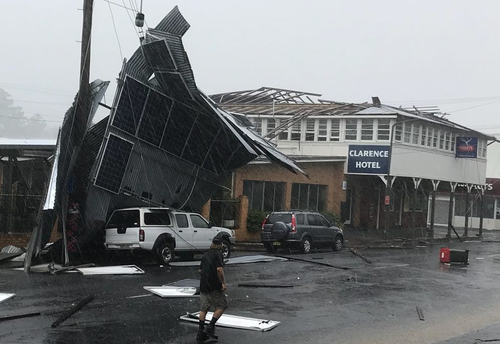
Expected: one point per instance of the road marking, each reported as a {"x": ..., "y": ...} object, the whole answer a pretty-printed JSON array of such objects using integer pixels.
[{"x": 138, "y": 296}]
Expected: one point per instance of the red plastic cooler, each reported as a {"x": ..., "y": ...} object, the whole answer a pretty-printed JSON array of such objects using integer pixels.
[{"x": 444, "y": 255}]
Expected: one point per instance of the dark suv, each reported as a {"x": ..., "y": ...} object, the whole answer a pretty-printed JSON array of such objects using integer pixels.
[{"x": 300, "y": 229}]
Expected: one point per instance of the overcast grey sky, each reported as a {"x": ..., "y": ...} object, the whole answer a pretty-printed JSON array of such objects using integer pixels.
[{"x": 443, "y": 53}]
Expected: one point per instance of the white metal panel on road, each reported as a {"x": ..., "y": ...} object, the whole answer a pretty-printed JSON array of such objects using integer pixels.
[
  {"x": 234, "y": 321},
  {"x": 112, "y": 270},
  {"x": 6, "y": 296},
  {"x": 168, "y": 292}
]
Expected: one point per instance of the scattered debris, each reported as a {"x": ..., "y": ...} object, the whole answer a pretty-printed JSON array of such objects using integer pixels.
[
  {"x": 19, "y": 316},
  {"x": 11, "y": 249},
  {"x": 420, "y": 313},
  {"x": 234, "y": 321},
  {"x": 479, "y": 258},
  {"x": 72, "y": 311},
  {"x": 139, "y": 296},
  {"x": 171, "y": 292},
  {"x": 458, "y": 236},
  {"x": 312, "y": 262},
  {"x": 112, "y": 270},
  {"x": 265, "y": 285},
  {"x": 55, "y": 269},
  {"x": 9, "y": 252},
  {"x": 390, "y": 266},
  {"x": 188, "y": 282},
  {"x": 238, "y": 260},
  {"x": 356, "y": 253},
  {"x": 447, "y": 255},
  {"x": 6, "y": 296},
  {"x": 353, "y": 278},
  {"x": 486, "y": 340}
]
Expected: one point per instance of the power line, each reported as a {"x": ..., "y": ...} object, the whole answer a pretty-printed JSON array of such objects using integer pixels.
[
  {"x": 473, "y": 107},
  {"x": 116, "y": 32},
  {"x": 30, "y": 119}
]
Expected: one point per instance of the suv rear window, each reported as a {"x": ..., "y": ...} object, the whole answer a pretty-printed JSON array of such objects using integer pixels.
[
  {"x": 158, "y": 218},
  {"x": 124, "y": 218},
  {"x": 273, "y": 218}
]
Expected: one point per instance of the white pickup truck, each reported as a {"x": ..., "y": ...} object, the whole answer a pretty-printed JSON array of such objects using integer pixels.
[{"x": 165, "y": 232}]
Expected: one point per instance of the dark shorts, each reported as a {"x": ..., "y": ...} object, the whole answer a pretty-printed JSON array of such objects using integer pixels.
[{"x": 216, "y": 299}]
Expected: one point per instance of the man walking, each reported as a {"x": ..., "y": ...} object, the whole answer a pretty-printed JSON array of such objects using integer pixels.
[{"x": 212, "y": 287}]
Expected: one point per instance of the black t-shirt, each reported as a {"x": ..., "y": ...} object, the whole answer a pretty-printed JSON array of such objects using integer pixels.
[{"x": 209, "y": 280}]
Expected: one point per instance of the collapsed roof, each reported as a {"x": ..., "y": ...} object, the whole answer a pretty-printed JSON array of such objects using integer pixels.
[{"x": 164, "y": 143}]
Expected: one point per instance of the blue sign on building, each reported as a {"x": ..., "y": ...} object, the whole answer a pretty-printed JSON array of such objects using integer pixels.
[
  {"x": 367, "y": 159},
  {"x": 466, "y": 147}
]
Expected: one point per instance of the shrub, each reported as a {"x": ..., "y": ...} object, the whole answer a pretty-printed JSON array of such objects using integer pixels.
[
  {"x": 333, "y": 218},
  {"x": 255, "y": 219}
]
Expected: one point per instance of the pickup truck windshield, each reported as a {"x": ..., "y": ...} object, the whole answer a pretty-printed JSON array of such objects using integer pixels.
[{"x": 124, "y": 218}]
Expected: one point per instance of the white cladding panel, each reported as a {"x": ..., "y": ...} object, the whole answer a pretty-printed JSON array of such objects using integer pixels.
[
  {"x": 407, "y": 161},
  {"x": 415, "y": 162},
  {"x": 493, "y": 166}
]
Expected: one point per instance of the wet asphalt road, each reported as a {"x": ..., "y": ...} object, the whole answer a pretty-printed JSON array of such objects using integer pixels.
[{"x": 369, "y": 303}]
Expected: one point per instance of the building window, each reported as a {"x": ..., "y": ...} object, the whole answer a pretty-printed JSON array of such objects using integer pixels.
[
  {"x": 283, "y": 135},
  {"x": 257, "y": 125},
  {"x": 441, "y": 139},
  {"x": 453, "y": 145},
  {"x": 322, "y": 129},
  {"x": 479, "y": 148},
  {"x": 398, "y": 132},
  {"x": 447, "y": 141},
  {"x": 271, "y": 124},
  {"x": 423, "y": 138},
  {"x": 435, "y": 138},
  {"x": 335, "y": 130},
  {"x": 485, "y": 148},
  {"x": 264, "y": 196},
  {"x": 415, "y": 133},
  {"x": 309, "y": 197},
  {"x": 310, "y": 124},
  {"x": 407, "y": 132},
  {"x": 430, "y": 134},
  {"x": 296, "y": 128},
  {"x": 383, "y": 129},
  {"x": 367, "y": 129},
  {"x": 351, "y": 129}
]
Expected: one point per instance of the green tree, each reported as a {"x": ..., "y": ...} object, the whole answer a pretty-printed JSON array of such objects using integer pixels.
[{"x": 14, "y": 124}]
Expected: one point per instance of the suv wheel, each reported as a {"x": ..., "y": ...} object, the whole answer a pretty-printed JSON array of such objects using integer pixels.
[
  {"x": 338, "y": 244},
  {"x": 164, "y": 253},
  {"x": 270, "y": 248},
  {"x": 226, "y": 249},
  {"x": 305, "y": 246}
]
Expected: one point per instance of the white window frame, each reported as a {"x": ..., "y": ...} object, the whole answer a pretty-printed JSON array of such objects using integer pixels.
[
  {"x": 322, "y": 137},
  {"x": 308, "y": 131},
  {"x": 369, "y": 122},
  {"x": 330, "y": 130},
  {"x": 351, "y": 130},
  {"x": 385, "y": 131}
]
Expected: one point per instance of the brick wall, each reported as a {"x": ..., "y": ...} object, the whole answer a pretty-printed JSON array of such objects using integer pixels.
[
  {"x": 15, "y": 239},
  {"x": 324, "y": 173},
  {"x": 21, "y": 240}
]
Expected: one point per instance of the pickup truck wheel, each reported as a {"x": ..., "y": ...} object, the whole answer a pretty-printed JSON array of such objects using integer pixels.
[
  {"x": 226, "y": 249},
  {"x": 165, "y": 253}
]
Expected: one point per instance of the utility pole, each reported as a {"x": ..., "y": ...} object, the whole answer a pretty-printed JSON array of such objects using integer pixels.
[{"x": 81, "y": 114}]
